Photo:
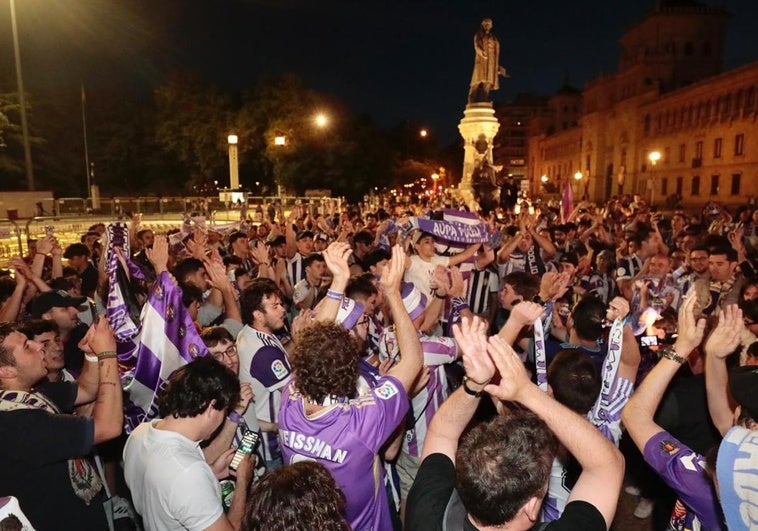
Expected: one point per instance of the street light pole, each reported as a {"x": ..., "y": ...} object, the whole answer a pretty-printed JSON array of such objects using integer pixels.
[
  {"x": 578, "y": 178},
  {"x": 22, "y": 101},
  {"x": 654, "y": 157},
  {"x": 234, "y": 176}
]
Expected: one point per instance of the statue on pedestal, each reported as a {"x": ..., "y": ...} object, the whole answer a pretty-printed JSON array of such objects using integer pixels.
[
  {"x": 485, "y": 183},
  {"x": 487, "y": 67}
]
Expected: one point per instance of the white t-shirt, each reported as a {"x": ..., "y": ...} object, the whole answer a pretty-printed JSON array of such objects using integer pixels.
[
  {"x": 172, "y": 486},
  {"x": 420, "y": 272}
]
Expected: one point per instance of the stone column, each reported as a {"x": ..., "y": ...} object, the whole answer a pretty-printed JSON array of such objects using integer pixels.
[{"x": 478, "y": 129}]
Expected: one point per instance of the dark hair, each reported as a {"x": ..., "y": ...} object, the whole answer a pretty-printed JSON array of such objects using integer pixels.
[
  {"x": 61, "y": 283},
  {"x": 376, "y": 256},
  {"x": 523, "y": 283},
  {"x": 298, "y": 497},
  {"x": 186, "y": 267},
  {"x": 588, "y": 315},
  {"x": 190, "y": 294},
  {"x": 500, "y": 465},
  {"x": 325, "y": 361},
  {"x": 251, "y": 299},
  {"x": 232, "y": 259},
  {"x": 234, "y": 236},
  {"x": 728, "y": 251},
  {"x": 191, "y": 389},
  {"x": 363, "y": 236},
  {"x": 141, "y": 233},
  {"x": 575, "y": 380},
  {"x": 361, "y": 285},
  {"x": 213, "y": 335},
  {"x": 36, "y": 327},
  {"x": 76, "y": 249},
  {"x": 749, "y": 309},
  {"x": 6, "y": 356},
  {"x": 315, "y": 257}
]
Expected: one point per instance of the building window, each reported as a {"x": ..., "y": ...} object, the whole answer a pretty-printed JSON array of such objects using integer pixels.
[
  {"x": 699, "y": 149},
  {"x": 647, "y": 123},
  {"x": 750, "y": 99},
  {"x": 679, "y": 186},
  {"x": 707, "y": 111},
  {"x": 736, "y": 177},
  {"x": 664, "y": 186},
  {"x": 682, "y": 152},
  {"x": 739, "y": 144},
  {"x": 714, "y": 185},
  {"x": 717, "y": 148},
  {"x": 695, "y": 190},
  {"x": 666, "y": 154}
]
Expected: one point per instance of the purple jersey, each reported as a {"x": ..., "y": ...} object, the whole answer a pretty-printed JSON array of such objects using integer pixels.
[
  {"x": 684, "y": 471},
  {"x": 346, "y": 438}
]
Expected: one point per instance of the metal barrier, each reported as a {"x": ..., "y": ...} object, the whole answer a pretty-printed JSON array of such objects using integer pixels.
[{"x": 10, "y": 241}]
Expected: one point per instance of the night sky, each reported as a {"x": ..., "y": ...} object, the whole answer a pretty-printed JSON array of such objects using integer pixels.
[{"x": 396, "y": 60}]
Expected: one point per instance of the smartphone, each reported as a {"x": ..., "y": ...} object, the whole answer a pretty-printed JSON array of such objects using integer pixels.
[
  {"x": 248, "y": 445},
  {"x": 649, "y": 341}
]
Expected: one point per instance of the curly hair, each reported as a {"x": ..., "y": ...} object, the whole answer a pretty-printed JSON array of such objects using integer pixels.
[
  {"x": 500, "y": 465},
  {"x": 191, "y": 388},
  {"x": 6, "y": 356},
  {"x": 325, "y": 361},
  {"x": 299, "y": 497}
]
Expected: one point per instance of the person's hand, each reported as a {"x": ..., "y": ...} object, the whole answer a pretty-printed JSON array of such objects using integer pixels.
[
  {"x": 302, "y": 321},
  {"x": 690, "y": 330},
  {"x": 553, "y": 285},
  {"x": 158, "y": 255},
  {"x": 99, "y": 338},
  {"x": 259, "y": 252},
  {"x": 21, "y": 268},
  {"x": 336, "y": 256},
  {"x": 217, "y": 275},
  {"x": 246, "y": 395},
  {"x": 392, "y": 274},
  {"x": 735, "y": 238},
  {"x": 725, "y": 338},
  {"x": 45, "y": 245},
  {"x": 57, "y": 250},
  {"x": 525, "y": 313},
  {"x": 618, "y": 308},
  {"x": 220, "y": 466},
  {"x": 196, "y": 244},
  {"x": 457, "y": 286},
  {"x": 440, "y": 281},
  {"x": 385, "y": 366},
  {"x": 513, "y": 377},
  {"x": 471, "y": 336},
  {"x": 245, "y": 470}
]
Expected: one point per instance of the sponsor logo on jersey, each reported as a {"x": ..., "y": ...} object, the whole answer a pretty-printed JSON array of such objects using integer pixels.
[
  {"x": 279, "y": 370},
  {"x": 386, "y": 391}
]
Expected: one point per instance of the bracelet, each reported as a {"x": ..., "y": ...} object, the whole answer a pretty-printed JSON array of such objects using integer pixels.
[
  {"x": 469, "y": 391},
  {"x": 334, "y": 295},
  {"x": 90, "y": 358},
  {"x": 235, "y": 417},
  {"x": 670, "y": 354},
  {"x": 442, "y": 297},
  {"x": 106, "y": 355}
]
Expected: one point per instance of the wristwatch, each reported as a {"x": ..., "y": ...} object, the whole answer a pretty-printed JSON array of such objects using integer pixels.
[{"x": 670, "y": 353}]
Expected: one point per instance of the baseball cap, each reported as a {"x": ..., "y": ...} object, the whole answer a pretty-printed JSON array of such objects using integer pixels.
[
  {"x": 44, "y": 302},
  {"x": 277, "y": 241},
  {"x": 569, "y": 257},
  {"x": 304, "y": 234}
]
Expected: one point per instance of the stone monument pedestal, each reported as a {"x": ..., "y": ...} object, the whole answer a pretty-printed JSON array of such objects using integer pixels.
[{"x": 478, "y": 129}]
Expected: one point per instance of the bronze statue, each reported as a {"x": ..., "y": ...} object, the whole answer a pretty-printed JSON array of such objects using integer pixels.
[
  {"x": 487, "y": 67},
  {"x": 486, "y": 186}
]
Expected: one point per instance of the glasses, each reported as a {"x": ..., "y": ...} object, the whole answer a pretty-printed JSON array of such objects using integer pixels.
[{"x": 230, "y": 353}]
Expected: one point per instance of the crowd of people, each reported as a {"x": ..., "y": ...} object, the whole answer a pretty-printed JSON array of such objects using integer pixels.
[{"x": 402, "y": 367}]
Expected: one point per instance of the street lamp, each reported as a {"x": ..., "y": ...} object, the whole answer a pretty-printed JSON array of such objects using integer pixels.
[
  {"x": 578, "y": 178},
  {"x": 280, "y": 140},
  {"x": 654, "y": 157},
  {"x": 423, "y": 133},
  {"x": 321, "y": 120},
  {"x": 22, "y": 101},
  {"x": 544, "y": 179},
  {"x": 234, "y": 176}
]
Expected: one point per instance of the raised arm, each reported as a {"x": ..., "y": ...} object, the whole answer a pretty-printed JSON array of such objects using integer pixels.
[
  {"x": 724, "y": 339},
  {"x": 335, "y": 256},
  {"x": 411, "y": 354},
  {"x": 602, "y": 464},
  {"x": 640, "y": 410},
  {"x": 456, "y": 412},
  {"x": 108, "y": 413},
  {"x": 465, "y": 255}
]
